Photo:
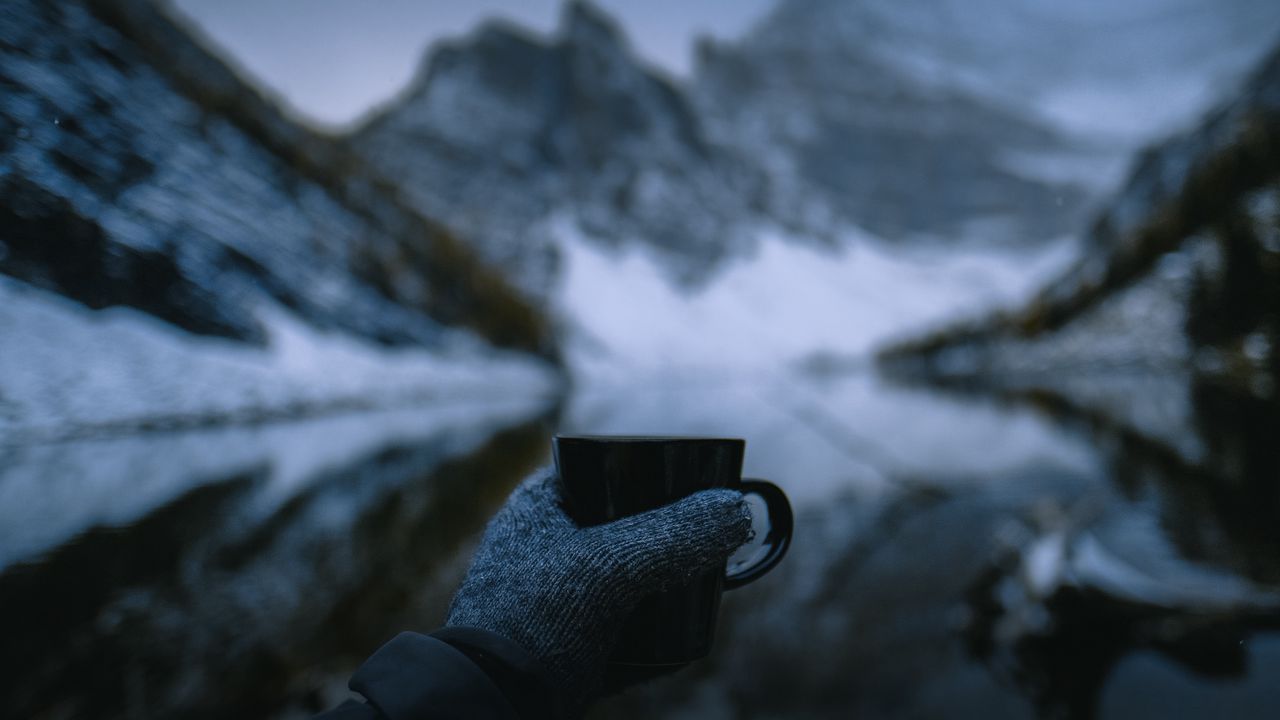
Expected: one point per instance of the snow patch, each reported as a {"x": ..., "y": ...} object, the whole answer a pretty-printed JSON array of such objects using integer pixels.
[
  {"x": 784, "y": 302},
  {"x": 66, "y": 370}
]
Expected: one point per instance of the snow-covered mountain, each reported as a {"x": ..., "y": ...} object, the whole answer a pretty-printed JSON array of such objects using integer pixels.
[
  {"x": 506, "y": 136},
  {"x": 930, "y": 120},
  {"x": 1120, "y": 73},
  {"x": 991, "y": 118},
  {"x": 1177, "y": 289},
  {"x": 857, "y": 138},
  {"x": 502, "y": 132},
  {"x": 172, "y": 250}
]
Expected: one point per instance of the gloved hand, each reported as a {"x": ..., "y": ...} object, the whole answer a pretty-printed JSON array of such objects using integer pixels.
[{"x": 561, "y": 591}]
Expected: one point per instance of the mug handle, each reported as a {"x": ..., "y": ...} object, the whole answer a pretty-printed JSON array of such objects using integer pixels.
[{"x": 776, "y": 539}]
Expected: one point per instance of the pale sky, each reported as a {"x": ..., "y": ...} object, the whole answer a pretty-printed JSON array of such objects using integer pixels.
[{"x": 330, "y": 61}]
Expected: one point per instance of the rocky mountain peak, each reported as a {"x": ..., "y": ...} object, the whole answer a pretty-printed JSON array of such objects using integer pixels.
[
  {"x": 1098, "y": 69},
  {"x": 150, "y": 198},
  {"x": 584, "y": 25},
  {"x": 815, "y": 122},
  {"x": 505, "y": 130},
  {"x": 566, "y": 101},
  {"x": 612, "y": 103}
]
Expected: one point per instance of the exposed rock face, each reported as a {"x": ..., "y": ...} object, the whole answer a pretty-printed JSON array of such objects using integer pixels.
[
  {"x": 136, "y": 170},
  {"x": 1115, "y": 73},
  {"x": 504, "y": 135},
  {"x": 849, "y": 136},
  {"x": 503, "y": 131},
  {"x": 1181, "y": 281}
]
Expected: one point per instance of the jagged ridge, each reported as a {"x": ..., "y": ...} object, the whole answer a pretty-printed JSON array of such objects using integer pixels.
[
  {"x": 191, "y": 238},
  {"x": 502, "y": 131},
  {"x": 1182, "y": 276}
]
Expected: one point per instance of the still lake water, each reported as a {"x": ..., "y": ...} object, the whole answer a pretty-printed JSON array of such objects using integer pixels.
[{"x": 955, "y": 556}]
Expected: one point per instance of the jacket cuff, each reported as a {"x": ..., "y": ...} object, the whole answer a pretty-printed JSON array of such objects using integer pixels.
[
  {"x": 416, "y": 676},
  {"x": 523, "y": 679}
]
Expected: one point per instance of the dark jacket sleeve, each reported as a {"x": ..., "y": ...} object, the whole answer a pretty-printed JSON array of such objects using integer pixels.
[{"x": 453, "y": 673}]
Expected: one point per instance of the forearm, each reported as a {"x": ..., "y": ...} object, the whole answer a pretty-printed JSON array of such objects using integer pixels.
[{"x": 452, "y": 673}]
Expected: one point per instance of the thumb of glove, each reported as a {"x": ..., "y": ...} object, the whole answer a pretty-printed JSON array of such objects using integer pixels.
[{"x": 668, "y": 546}]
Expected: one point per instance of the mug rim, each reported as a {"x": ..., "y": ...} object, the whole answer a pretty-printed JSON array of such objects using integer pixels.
[{"x": 646, "y": 438}]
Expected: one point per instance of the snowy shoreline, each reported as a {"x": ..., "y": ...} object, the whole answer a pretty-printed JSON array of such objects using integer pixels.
[
  {"x": 50, "y": 492},
  {"x": 69, "y": 372}
]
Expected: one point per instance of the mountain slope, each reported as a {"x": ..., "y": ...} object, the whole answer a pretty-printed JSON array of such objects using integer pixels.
[
  {"x": 140, "y": 177},
  {"x": 1179, "y": 285},
  {"x": 1119, "y": 73},
  {"x": 507, "y": 137},
  {"x": 854, "y": 137},
  {"x": 502, "y": 132}
]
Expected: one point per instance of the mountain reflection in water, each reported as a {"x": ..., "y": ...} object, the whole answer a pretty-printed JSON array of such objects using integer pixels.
[
  {"x": 1017, "y": 556},
  {"x": 956, "y": 555},
  {"x": 278, "y": 558}
]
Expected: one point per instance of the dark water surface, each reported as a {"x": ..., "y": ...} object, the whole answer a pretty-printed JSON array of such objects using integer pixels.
[
  {"x": 238, "y": 573},
  {"x": 956, "y": 556}
]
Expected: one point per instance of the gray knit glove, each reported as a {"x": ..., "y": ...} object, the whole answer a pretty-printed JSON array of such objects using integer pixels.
[{"x": 561, "y": 591}]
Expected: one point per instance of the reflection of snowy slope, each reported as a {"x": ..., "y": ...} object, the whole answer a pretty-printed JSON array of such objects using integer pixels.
[
  {"x": 289, "y": 550},
  {"x": 50, "y": 492},
  {"x": 145, "y": 373},
  {"x": 823, "y": 437},
  {"x": 891, "y": 606},
  {"x": 1121, "y": 547},
  {"x": 1131, "y": 558}
]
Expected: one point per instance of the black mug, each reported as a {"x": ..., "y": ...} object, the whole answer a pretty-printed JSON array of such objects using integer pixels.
[{"x": 609, "y": 477}]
